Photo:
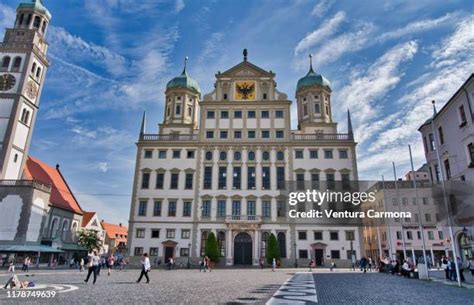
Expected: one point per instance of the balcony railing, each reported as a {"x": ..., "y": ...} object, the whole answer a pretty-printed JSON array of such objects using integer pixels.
[
  {"x": 323, "y": 137},
  {"x": 168, "y": 137},
  {"x": 28, "y": 183},
  {"x": 243, "y": 219}
]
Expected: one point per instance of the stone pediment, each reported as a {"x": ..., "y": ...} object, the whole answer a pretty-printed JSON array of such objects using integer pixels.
[{"x": 245, "y": 69}]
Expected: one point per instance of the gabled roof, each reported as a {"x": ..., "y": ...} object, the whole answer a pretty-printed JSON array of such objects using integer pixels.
[
  {"x": 86, "y": 218},
  {"x": 112, "y": 230},
  {"x": 61, "y": 195},
  {"x": 245, "y": 65}
]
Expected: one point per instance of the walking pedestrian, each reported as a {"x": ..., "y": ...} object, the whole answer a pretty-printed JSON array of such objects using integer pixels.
[
  {"x": 171, "y": 262},
  {"x": 353, "y": 258},
  {"x": 93, "y": 264},
  {"x": 261, "y": 263},
  {"x": 444, "y": 265},
  {"x": 81, "y": 265},
  {"x": 11, "y": 266},
  {"x": 471, "y": 266},
  {"x": 370, "y": 264},
  {"x": 273, "y": 264},
  {"x": 363, "y": 264},
  {"x": 311, "y": 263},
  {"x": 71, "y": 263},
  {"x": 110, "y": 263},
  {"x": 145, "y": 268}
]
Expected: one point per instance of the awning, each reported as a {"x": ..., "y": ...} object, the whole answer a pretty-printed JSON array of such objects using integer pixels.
[
  {"x": 72, "y": 247},
  {"x": 29, "y": 248}
]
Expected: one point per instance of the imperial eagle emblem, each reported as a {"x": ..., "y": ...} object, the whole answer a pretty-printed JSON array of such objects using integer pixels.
[{"x": 245, "y": 90}]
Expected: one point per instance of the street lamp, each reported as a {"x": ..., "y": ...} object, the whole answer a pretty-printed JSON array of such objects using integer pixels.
[
  {"x": 189, "y": 253},
  {"x": 296, "y": 258}
]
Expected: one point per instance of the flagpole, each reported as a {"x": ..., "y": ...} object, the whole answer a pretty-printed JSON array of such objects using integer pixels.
[
  {"x": 389, "y": 230},
  {"x": 445, "y": 198},
  {"x": 419, "y": 212},
  {"x": 399, "y": 210}
]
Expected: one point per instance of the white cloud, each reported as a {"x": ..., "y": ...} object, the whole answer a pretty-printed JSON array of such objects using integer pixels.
[
  {"x": 179, "y": 5},
  {"x": 7, "y": 18},
  {"x": 322, "y": 7},
  {"x": 319, "y": 35},
  {"x": 103, "y": 167}
]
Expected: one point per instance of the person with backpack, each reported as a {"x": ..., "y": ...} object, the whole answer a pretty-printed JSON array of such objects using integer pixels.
[{"x": 145, "y": 268}]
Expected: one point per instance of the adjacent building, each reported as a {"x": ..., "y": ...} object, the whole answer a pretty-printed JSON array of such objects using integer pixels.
[
  {"x": 221, "y": 164},
  {"x": 115, "y": 238},
  {"x": 91, "y": 222}
]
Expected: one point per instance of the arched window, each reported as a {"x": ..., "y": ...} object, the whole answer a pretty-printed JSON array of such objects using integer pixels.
[
  {"x": 178, "y": 109},
  {"x": 251, "y": 155},
  {"x": 221, "y": 242},
  {"x": 43, "y": 28},
  {"x": 37, "y": 22},
  {"x": 74, "y": 227},
  {"x": 223, "y": 155},
  {"x": 33, "y": 68},
  {"x": 6, "y": 62},
  {"x": 282, "y": 244},
  {"x": 17, "y": 63},
  {"x": 54, "y": 228},
  {"x": 190, "y": 111},
  {"x": 20, "y": 21},
  {"x": 208, "y": 155},
  {"x": 264, "y": 244},
  {"x": 28, "y": 21},
  {"x": 38, "y": 72},
  {"x": 237, "y": 156},
  {"x": 280, "y": 156},
  {"x": 203, "y": 242},
  {"x": 64, "y": 229},
  {"x": 266, "y": 155},
  {"x": 169, "y": 111},
  {"x": 25, "y": 114}
]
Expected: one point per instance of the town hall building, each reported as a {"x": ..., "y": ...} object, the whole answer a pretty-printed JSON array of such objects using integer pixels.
[{"x": 220, "y": 162}]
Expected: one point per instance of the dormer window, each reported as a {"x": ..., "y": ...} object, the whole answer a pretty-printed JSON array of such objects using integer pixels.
[
  {"x": 225, "y": 96},
  {"x": 264, "y": 96}
]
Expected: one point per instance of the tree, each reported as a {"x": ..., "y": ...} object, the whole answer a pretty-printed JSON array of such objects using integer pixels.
[
  {"x": 273, "y": 250},
  {"x": 89, "y": 239},
  {"x": 212, "y": 248}
]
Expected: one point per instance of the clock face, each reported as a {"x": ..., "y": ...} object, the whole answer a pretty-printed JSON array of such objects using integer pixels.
[
  {"x": 245, "y": 90},
  {"x": 31, "y": 90},
  {"x": 7, "y": 81}
]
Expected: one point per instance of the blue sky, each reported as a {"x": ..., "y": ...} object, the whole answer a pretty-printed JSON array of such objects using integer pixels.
[{"x": 111, "y": 59}]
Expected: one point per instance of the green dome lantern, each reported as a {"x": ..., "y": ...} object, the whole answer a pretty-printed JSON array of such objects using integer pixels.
[
  {"x": 312, "y": 79},
  {"x": 36, "y": 5},
  {"x": 184, "y": 81}
]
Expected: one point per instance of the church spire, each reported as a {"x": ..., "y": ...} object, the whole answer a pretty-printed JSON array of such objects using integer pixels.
[
  {"x": 185, "y": 64},
  {"x": 349, "y": 122},
  {"x": 142, "y": 128}
]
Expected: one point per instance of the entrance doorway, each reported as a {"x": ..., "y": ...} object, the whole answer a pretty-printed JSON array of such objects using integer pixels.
[
  {"x": 169, "y": 251},
  {"x": 243, "y": 249},
  {"x": 319, "y": 256}
]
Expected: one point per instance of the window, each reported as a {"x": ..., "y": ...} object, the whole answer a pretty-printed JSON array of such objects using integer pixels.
[
  {"x": 140, "y": 233},
  {"x": 427, "y": 217},
  {"x": 409, "y": 235},
  {"x": 265, "y": 134},
  {"x": 142, "y": 207},
  {"x": 251, "y": 134},
  {"x": 251, "y": 155},
  {"x": 281, "y": 238},
  {"x": 425, "y": 143},
  {"x": 188, "y": 183},
  {"x": 303, "y": 253},
  {"x": 17, "y": 63},
  {"x": 317, "y": 108},
  {"x": 236, "y": 178},
  {"x": 430, "y": 235},
  {"x": 298, "y": 154},
  {"x": 280, "y": 134},
  {"x": 38, "y": 72},
  {"x": 208, "y": 155},
  {"x": 237, "y": 114},
  {"x": 145, "y": 180},
  {"x": 185, "y": 234},
  {"x": 162, "y": 154},
  {"x": 300, "y": 181},
  {"x": 210, "y": 115},
  {"x": 264, "y": 96},
  {"x": 160, "y": 177},
  {"x": 148, "y": 154},
  {"x": 172, "y": 209},
  {"x": 153, "y": 251},
  {"x": 190, "y": 154},
  {"x": 37, "y": 22},
  {"x": 190, "y": 111},
  {"x": 399, "y": 235},
  {"x": 343, "y": 154},
  {"x": 335, "y": 254},
  {"x": 223, "y": 134},
  {"x": 221, "y": 212},
  {"x": 176, "y": 154},
  {"x": 334, "y": 235},
  {"x": 280, "y": 177},
  {"x": 6, "y": 62},
  {"x": 206, "y": 208},
  {"x": 170, "y": 233},
  {"x": 203, "y": 242},
  {"x": 237, "y": 134},
  {"x": 305, "y": 109},
  {"x": 207, "y": 177},
  {"x": 174, "y": 181},
  {"x": 251, "y": 177},
  {"x": 251, "y": 208},
  {"x": 302, "y": 235},
  {"x": 235, "y": 207},
  {"x": 178, "y": 109},
  {"x": 315, "y": 181},
  {"x": 265, "y": 114},
  {"x": 222, "y": 177},
  {"x": 313, "y": 154},
  {"x": 432, "y": 142},
  {"x": 224, "y": 114},
  {"x": 157, "y": 208},
  {"x": 266, "y": 177},
  {"x": 280, "y": 156},
  {"x": 186, "y": 209},
  {"x": 225, "y": 96},
  {"x": 281, "y": 208},
  {"x": 265, "y": 156},
  {"x": 251, "y": 114},
  {"x": 328, "y": 154},
  {"x": 25, "y": 116},
  {"x": 209, "y": 134},
  {"x": 330, "y": 181},
  {"x": 263, "y": 246},
  {"x": 222, "y": 156},
  {"x": 350, "y": 235},
  {"x": 470, "y": 150},
  {"x": 318, "y": 235},
  {"x": 462, "y": 116},
  {"x": 237, "y": 156},
  {"x": 266, "y": 209},
  {"x": 440, "y": 235},
  {"x": 418, "y": 235},
  {"x": 441, "y": 135},
  {"x": 155, "y": 233},
  {"x": 138, "y": 251},
  {"x": 447, "y": 169},
  {"x": 221, "y": 243},
  {"x": 279, "y": 114}
]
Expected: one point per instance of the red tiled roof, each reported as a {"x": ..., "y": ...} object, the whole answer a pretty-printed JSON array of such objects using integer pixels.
[
  {"x": 113, "y": 230},
  {"x": 87, "y": 217},
  {"x": 61, "y": 195}
]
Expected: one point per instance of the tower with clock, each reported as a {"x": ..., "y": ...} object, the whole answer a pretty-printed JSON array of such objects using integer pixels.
[{"x": 23, "y": 66}]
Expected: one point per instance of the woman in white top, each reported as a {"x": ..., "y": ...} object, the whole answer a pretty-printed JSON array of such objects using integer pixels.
[
  {"x": 145, "y": 268},
  {"x": 93, "y": 264}
]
